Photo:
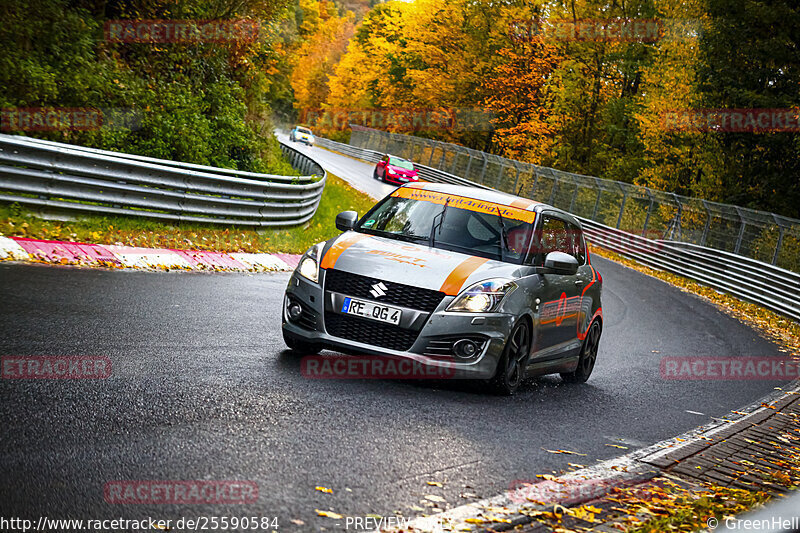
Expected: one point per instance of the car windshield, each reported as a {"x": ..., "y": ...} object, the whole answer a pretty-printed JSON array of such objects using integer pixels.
[
  {"x": 468, "y": 226},
  {"x": 303, "y": 130},
  {"x": 402, "y": 163}
]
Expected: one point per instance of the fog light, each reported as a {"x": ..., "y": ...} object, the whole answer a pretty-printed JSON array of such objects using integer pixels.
[
  {"x": 295, "y": 310},
  {"x": 465, "y": 348}
]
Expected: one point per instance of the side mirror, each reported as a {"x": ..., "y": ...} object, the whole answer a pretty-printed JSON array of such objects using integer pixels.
[
  {"x": 346, "y": 220},
  {"x": 560, "y": 263}
]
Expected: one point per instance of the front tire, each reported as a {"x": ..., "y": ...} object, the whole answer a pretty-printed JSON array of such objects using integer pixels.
[
  {"x": 588, "y": 356},
  {"x": 511, "y": 367},
  {"x": 301, "y": 347}
]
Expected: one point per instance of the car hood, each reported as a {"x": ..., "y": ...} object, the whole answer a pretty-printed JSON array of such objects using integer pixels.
[
  {"x": 410, "y": 263},
  {"x": 400, "y": 171}
]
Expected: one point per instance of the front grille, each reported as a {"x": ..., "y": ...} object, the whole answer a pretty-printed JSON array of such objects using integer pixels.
[
  {"x": 396, "y": 294},
  {"x": 443, "y": 346},
  {"x": 369, "y": 332}
]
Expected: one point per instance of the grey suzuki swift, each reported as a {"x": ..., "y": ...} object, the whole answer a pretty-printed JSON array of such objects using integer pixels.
[{"x": 491, "y": 285}]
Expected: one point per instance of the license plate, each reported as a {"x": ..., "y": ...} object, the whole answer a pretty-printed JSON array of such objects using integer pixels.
[{"x": 373, "y": 311}]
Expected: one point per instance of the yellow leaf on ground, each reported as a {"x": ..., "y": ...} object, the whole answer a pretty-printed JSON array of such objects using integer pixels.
[
  {"x": 324, "y": 489},
  {"x": 563, "y": 451},
  {"x": 329, "y": 514}
]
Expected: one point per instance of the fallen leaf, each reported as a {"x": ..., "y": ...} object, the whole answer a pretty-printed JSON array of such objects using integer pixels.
[
  {"x": 329, "y": 514},
  {"x": 324, "y": 489},
  {"x": 434, "y": 498},
  {"x": 563, "y": 451}
]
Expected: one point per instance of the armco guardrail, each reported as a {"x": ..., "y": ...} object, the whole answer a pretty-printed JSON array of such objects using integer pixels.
[
  {"x": 427, "y": 173},
  {"x": 77, "y": 179},
  {"x": 770, "y": 286},
  {"x": 766, "y": 237}
]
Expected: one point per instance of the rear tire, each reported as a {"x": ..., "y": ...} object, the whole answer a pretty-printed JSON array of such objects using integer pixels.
[
  {"x": 588, "y": 356},
  {"x": 301, "y": 347},
  {"x": 511, "y": 368}
]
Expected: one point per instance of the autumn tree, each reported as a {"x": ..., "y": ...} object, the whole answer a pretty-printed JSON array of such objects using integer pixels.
[{"x": 327, "y": 35}]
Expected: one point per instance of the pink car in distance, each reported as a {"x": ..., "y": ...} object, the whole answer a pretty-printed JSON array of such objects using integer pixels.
[{"x": 393, "y": 169}]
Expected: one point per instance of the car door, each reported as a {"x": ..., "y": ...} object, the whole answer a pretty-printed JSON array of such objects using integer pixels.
[
  {"x": 380, "y": 169},
  {"x": 559, "y": 307}
]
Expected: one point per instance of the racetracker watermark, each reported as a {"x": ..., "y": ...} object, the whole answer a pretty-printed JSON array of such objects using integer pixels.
[
  {"x": 558, "y": 490},
  {"x": 181, "y": 31},
  {"x": 67, "y": 119},
  {"x": 732, "y": 120},
  {"x": 55, "y": 367},
  {"x": 180, "y": 492},
  {"x": 399, "y": 119},
  {"x": 372, "y": 367},
  {"x": 607, "y": 30},
  {"x": 729, "y": 368}
]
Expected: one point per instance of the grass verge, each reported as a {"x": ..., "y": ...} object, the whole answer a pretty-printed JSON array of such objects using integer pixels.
[{"x": 17, "y": 221}]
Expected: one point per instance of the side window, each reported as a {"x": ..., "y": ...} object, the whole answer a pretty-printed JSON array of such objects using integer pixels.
[
  {"x": 553, "y": 236},
  {"x": 578, "y": 245}
]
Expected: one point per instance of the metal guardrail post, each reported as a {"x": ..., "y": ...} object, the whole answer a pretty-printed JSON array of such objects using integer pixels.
[
  {"x": 597, "y": 200},
  {"x": 649, "y": 211},
  {"x": 676, "y": 228},
  {"x": 622, "y": 205},
  {"x": 516, "y": 181},
  {"x": 483, "y": 168},
  {"x": 780, "y": 240},
  {"x": 553, "y": 190},
  {"x": 741, "y": 231},
  {"x": 574, "y": 195},
  {"x": 707, "y": 227}
]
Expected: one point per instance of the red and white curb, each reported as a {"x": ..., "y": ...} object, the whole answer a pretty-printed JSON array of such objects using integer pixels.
[{"x": 116, "y": 256}]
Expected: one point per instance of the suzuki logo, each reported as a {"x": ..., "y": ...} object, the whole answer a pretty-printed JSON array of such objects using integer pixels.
[{"x": 378, "y": 290}]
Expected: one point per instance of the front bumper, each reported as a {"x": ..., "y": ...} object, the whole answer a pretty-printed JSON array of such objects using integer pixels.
[
  {"x": 440, "y": 324},
  {"x": 398, "y": 179}
]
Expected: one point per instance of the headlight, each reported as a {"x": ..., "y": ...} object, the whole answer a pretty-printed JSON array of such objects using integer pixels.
[
  {"x": 309, "y": 263},
  {"x": 483, "y": 297}
]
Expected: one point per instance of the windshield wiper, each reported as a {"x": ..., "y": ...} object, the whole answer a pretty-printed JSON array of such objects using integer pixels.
[
  {"x": 503, "y": 235},
  {"x": 435, "y": 224},
  {"x": 396, "y": 236}
]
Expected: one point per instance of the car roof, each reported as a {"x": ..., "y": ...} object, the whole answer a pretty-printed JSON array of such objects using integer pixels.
[{"x": 492, "y": 195}]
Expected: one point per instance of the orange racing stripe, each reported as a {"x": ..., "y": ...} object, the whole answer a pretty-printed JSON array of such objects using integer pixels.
[
  {"x": 339, "y": 247},
  {"x": 452, "y": 285},
  {"x": 522, "y": 203}
]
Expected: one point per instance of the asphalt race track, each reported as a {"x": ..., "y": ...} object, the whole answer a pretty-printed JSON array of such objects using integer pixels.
[
  {"x": 202, "y": 388},
  {"x": 357, "y": 173}
]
